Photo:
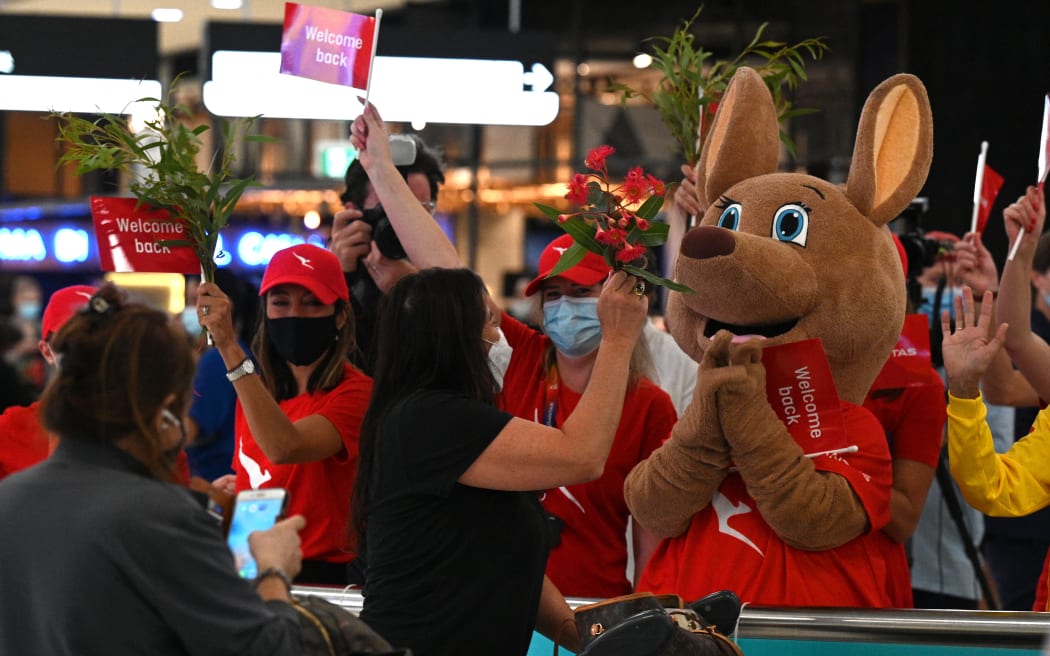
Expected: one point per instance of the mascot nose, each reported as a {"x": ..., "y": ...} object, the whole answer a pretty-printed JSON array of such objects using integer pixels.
[{"x": 708, "y": 241}]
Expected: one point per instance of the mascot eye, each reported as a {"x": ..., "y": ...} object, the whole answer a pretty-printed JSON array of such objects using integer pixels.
[
  {"x": 791, "y": 223},
  {"x": 730, "y": 218}
]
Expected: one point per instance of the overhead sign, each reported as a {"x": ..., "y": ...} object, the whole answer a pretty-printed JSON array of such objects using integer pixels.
[
  {"x": 404, "y": 89},
  {"x": 79, "y": 95},
  {"x": 77, "y": 64}
]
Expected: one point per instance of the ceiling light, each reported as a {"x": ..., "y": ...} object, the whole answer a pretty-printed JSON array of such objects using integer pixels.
[
  {"x": 583, "y": 69},
  {"x": 642, "y": 60},
  {"x": 167, "y": 15},
  {"x": 312, "y": 220}
]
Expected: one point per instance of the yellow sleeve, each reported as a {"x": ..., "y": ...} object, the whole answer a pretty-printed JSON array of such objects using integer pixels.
[{"x": 1003, "y": 485}]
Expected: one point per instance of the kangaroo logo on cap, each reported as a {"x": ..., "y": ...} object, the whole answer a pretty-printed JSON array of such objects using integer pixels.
[
  {"x": 84, "y": 294},
  {"x": 561, "y": 250},
  {"x": 304, "y": 261}
]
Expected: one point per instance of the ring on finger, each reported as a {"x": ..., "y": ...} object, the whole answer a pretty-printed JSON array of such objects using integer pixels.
[
  {"x": 205, "y": 310},
  {"x": 639, "y": 288}
]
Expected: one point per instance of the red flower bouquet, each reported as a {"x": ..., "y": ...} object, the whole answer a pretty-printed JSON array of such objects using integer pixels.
[{"x": 617, "y": 222}]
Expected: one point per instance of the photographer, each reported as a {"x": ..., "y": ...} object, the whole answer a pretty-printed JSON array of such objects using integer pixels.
[{"x": 365, "y": 242}]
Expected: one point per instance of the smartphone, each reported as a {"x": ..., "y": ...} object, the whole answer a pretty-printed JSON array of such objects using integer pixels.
[{"x": 253, "y": 510}]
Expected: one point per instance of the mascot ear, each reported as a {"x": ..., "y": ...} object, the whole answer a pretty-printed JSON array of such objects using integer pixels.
[
  {"x": 894, "y": 148},
  {"x": 744, "y": 140}
]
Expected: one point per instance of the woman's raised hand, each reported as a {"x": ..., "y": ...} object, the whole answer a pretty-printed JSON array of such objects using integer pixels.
[
  {"x": 969, "y": 349},
  {"x": 622, "y": 309}
]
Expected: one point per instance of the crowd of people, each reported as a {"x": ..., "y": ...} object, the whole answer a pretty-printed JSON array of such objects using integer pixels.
[{"x": 439, "y": 452}]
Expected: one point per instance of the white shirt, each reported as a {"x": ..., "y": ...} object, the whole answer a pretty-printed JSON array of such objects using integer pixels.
[{"x": 675, "y": 371}]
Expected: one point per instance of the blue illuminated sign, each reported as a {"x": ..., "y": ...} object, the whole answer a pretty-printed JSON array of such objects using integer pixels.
[{"x": 61, "y": 246}]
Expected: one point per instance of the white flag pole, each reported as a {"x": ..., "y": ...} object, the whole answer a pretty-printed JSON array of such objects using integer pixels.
[
  {"x": 1016, "y": 244},
  {"x": 1042, "y": 166},
  {"x": 372, "y": 57},
  {"x": 978, "y": 182}
]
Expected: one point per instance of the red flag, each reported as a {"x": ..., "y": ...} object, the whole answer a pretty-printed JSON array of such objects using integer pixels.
[
  {"x": 991, "y": 182},
  {"x": 801, "y": 389},
  {"x": 134, "y": 238},
  {"x": 328, "y": 45}
]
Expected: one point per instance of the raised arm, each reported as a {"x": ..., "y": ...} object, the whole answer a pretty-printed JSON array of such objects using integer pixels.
[
  {"x": 1001, "y": 384},
  {"x": 527, "y": 455},
  {"x": 1027, "y": 350},
  {"x": 283, "y": 441},
  {"x": 424, "y": 241}
]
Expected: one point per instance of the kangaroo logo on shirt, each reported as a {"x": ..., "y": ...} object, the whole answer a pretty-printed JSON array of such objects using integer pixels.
[
  {"x": 256, "y": 475},
  {"x": 726, "y": 509},
  {"x": 303, "y": 260}
]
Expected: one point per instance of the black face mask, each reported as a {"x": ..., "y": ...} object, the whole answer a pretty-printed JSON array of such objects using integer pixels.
[{"x": 301, "y": 340}]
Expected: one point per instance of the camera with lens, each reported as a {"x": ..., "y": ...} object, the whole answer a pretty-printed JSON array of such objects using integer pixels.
[
  {"x": 383, "y": 233},
  {"x": 922, "y": 250}
]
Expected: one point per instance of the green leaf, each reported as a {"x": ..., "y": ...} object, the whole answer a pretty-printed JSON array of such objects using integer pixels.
[
  {"x": 650, "y": 207},
  {"x": 570, "y": 258},
  {"x": 582, "y": 233},
  {"x": 175, "y": 243},
  {"x": 657, "y": 280},
  {"x": 654, "y": 236},
  {"x": 551, "y": 212}
]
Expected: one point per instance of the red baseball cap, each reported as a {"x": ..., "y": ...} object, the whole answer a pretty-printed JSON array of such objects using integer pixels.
[
  {"x": 590, "y": 270},
  {"x": 61, "y": 307},
  {"x": 309, "y": 266}
]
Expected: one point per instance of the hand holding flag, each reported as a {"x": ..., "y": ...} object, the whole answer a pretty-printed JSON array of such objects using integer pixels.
[
  {"x": 1043, "y": 165},
  {"x": 329, "y": 45}
]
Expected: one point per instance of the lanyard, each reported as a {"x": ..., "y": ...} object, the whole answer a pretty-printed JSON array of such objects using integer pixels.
[{"x": 550, "y": 414}]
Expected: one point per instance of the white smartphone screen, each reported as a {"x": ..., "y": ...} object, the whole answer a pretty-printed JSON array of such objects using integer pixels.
[{"x": 255, "y": 510}]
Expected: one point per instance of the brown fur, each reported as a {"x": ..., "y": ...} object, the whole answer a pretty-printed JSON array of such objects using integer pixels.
[{"x": 844, "y": 285}]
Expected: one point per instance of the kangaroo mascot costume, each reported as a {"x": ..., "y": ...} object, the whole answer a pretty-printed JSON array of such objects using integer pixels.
[{"x": 780, "y": 258}]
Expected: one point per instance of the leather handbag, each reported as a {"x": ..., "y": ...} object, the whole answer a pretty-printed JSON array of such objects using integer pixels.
[{"x": 644, "y": 624}]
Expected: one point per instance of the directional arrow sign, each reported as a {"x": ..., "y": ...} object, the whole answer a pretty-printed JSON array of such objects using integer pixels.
[
  {"x": 540, "y": 79},
  {"x": 404, "y": 89}
]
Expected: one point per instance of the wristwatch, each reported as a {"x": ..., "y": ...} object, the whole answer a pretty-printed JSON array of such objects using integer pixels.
[{"x": 245, "y": 368}]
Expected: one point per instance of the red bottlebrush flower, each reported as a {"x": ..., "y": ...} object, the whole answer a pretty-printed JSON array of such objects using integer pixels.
[
  {"x": 658, "y": 185},
  {"x": 630, "y": 254},
  {"x": 610, "y": 237},
  {"x": 596, "y": 158},
  {"x": 578, "y": 189},
  {"x": 623, "y": 223},
  {"x": 642, "y": 224},
  {"x": 635, "y": 185}
]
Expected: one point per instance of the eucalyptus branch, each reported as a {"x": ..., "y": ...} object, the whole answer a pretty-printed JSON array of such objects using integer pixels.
[
  {"x": 166, "y": 150},
  {"x": 692, "y": 86}
]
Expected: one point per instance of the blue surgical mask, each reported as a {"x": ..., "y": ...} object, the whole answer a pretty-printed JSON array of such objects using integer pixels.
[
  {"x": 28, "y": 310},
  {"x": 572, "y": 324},
  {"x": 929, "y": 295}
]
